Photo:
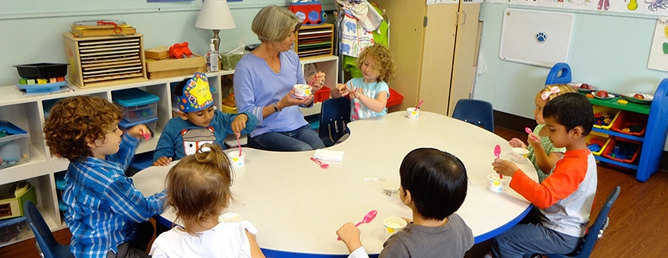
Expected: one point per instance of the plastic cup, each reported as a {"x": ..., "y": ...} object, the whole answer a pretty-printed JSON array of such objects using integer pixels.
[
  {"x": 235, "y": 159},
  {"x": 302, "y": 91},
  {"x": 230, "y": 217},
  {"x": 394, "y": 224},
  {"x": 412, "y": 113},
  {"x": 519, "y": 154},
  {"x": 495, "y": 183}
]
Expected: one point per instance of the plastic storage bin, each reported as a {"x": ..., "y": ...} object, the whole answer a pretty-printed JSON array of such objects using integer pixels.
[
  {"x": 630, "y": 123},
  {"x": 597, "y": 142},
  {"x": 395, "y": 98},
  {"x": 42, "y": 70},
  {"x": 150, "y": 123},
  {"x": 13, "y": 230},
  {"x": 622, "y": 150},
  {"x": 322, "y": 94},
  {"x": 137, "y": 104},
  {"x": 605, "y": 116},
  {"x": 14, "y": 145}
]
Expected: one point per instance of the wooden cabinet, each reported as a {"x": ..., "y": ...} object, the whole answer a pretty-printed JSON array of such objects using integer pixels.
[{"x": 434, "y": 48}]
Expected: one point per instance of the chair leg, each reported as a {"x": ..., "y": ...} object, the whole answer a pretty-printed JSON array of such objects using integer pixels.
[{"x": 41, "y": 254}]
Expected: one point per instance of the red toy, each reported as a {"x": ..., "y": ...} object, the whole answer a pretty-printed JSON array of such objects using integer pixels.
[
  {"x": 179, "y": 50},
  {"x": 310, "y": 12}
]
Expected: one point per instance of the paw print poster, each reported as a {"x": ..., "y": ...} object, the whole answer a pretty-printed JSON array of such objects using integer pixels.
[{"x": 658, "y": 55}]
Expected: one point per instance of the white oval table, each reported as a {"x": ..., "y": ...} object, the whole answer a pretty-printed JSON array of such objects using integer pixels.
[{"x": 298, "y": 206}]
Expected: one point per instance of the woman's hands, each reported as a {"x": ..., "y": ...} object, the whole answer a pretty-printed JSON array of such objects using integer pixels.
[{"x": 317, "y": 81}]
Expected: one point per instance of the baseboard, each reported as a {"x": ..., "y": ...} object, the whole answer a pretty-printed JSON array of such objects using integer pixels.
[{"x": 517, "y": 123}]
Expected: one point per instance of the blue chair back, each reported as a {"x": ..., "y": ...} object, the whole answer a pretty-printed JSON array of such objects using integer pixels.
[
  {"x": 560, "y": 73},
  {"x": 46, "y": 243},
  {"x": 477, "y": 112},
  {"x": 595, "y": 231},
  {"x": 334, "y": 117}
]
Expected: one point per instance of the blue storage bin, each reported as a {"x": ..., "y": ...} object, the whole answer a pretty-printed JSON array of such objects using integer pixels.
[{"x": 136, "y": 104}]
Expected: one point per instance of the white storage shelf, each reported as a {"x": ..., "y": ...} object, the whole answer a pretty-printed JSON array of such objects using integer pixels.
[{"x": 28, "y": 113}]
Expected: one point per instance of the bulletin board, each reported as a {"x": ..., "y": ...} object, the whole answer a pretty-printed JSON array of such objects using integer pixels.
[
  {"x": 535, "y": 37},
  {"x": 658, "y": 55}
]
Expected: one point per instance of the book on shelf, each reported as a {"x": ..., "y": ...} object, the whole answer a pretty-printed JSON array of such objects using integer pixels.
[{"x": 92, "y": 31}]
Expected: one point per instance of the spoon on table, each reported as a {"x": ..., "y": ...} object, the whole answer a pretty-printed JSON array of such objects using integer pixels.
[
  {"x": 497, "y": 154},
  {"x": 528, "y": 130},
  {"x": 322, "y": 165},
  {"x": 367, "y": 218}
]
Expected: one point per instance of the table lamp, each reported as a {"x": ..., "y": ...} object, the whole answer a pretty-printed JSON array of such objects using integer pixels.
[{"x": 215, "y": 15}]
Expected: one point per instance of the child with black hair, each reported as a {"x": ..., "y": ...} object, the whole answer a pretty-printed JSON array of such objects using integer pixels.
[
  {"x": 198, "y": 122},
  {"x": 433, "y": 185},
  {"x": 566, "y": 196}
]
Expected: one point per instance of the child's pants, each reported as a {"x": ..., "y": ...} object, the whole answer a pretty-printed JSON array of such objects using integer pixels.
[{"x": 523, "y": 240}]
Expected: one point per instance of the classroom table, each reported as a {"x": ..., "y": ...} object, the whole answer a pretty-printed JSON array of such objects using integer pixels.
[{"x": 297, "y": 206}]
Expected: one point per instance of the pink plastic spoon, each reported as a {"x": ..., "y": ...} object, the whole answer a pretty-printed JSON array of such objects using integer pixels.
[
  {"x": 239, "y": 144},
  {"x": 367, "y": 218},
  {"x": 497, "y": 154},
  {"x": 419, "y": 104},
  {"x": 322, "y": 165},
  {"x": 528, "y": 130}
]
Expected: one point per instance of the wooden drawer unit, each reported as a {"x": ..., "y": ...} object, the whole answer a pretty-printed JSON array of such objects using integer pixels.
[
  {"x": 314, "y": 40},
  {"x": 103, "y": 61}
]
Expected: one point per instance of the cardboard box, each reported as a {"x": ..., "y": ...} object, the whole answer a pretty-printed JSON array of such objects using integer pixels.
[{"x": 172, "y": 67}]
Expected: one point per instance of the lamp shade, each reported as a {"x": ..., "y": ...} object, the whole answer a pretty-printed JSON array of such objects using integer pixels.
[{"x": 215, "y": 15}]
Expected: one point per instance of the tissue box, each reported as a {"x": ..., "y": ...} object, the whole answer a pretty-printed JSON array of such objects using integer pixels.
[{"x": 229, "y": 61}]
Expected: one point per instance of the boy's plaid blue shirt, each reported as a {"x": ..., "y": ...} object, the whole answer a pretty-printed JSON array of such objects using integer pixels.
[{"x": 102, "y": 203}]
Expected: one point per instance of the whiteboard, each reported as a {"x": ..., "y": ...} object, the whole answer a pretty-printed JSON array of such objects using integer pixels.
[{"x": 535, "y": 37}]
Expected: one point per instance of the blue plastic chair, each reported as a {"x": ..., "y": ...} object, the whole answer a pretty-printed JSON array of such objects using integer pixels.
[
  {"x": 477, "y": 112},
  {"x": 595, "y": 231},
  {"x": 45, "y": 242},
  {"x": 334, "y": 117},
  {"x": 560, "y": 73}
]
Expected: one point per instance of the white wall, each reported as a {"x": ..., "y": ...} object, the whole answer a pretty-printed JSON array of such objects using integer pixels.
[
  {"x": 610, "y": 52},
  {"x": 31, "y": 30}
]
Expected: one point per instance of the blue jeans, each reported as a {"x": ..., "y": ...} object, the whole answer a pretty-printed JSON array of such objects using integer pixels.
[
  {"x": 523, "y": 240},
  {"x": 302, "y": 139}
]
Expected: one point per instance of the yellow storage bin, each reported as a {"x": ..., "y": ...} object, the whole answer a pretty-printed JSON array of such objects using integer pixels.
[
  {"x": 597, "y": 142},
  {"x": 605, "y": 116},
  {"x": 229, "y": 110}
]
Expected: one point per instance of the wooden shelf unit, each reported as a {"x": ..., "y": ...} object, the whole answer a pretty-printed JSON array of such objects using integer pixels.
[{"x": 315, "y": 40}]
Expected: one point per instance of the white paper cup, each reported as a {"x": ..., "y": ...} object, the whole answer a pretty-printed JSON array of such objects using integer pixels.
[
  {"x": 519, "y": 154},
  {"x": 235, "y": 159},
  {"x": 230, "y": 217},
  {"x": 412, "y": 113},
  {"x": 496, "y": 183},
  {"x": 394, "y": 224},
  {"x": 302, "y": 91}
]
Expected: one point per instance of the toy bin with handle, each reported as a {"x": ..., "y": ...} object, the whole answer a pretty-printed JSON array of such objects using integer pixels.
[
  {"x": 136, "y": 104},
  {"x": 630, "y": 123}
]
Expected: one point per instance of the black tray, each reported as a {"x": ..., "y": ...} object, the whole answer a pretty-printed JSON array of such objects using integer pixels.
[{"x": 42, "y": 70}]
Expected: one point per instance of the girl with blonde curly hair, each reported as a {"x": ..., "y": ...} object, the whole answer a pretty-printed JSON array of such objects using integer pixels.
[{"x": 369, "y": 94}]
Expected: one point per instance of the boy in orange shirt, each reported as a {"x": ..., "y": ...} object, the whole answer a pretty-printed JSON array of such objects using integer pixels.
[{"x": 566, "y": 196}]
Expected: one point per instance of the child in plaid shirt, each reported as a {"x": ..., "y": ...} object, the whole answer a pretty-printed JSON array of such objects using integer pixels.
[{"x": 104, "y": 209}]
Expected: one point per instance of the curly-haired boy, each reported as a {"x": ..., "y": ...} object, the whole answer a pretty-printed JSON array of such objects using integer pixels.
[{"x": 104, "y": 210}]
